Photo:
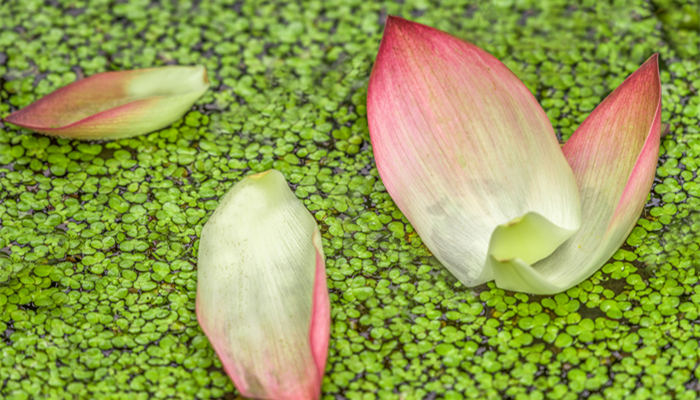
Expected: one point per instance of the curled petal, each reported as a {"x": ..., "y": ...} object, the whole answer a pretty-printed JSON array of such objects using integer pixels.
[
  {"x": 113, "y": 105},
  {"x": 261, "y": 292},
  {"x": 613, "y": 155},
  {"x": 529, "y": 238},
  {"x": 465, "y": 151}
]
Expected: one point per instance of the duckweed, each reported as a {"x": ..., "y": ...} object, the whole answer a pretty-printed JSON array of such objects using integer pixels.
[{"x": 98, "y": 241}]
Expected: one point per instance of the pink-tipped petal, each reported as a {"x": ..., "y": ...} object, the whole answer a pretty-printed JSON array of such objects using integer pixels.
[
  {"x": 113, "y": 105},
  {"x": 613, "y": 155},
  {"x": 262, "y": 298},
  {"x": 464, "y": 148}
]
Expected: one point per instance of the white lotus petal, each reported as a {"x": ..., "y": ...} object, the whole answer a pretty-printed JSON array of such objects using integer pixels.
[{"x": 261, "y": 290}]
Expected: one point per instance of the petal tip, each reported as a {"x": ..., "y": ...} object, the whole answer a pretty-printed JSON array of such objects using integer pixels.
[
  {"x": 648, "y": 71},
  {"x": 402, "y": 28},
  {"x": 394, "y": 21},
  {"x": 11, "y": 119},
  {"x": 654, "y": 58},
  {"x": 260, "y": 175}
]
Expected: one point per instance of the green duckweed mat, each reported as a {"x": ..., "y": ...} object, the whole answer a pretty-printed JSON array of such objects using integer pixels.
[{"x": 98, "y": 241}]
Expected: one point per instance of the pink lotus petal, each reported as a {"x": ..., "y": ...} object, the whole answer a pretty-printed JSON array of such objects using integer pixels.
[
  {"x": 113, "y": 105},
  {"x": 464, "y": 148}
]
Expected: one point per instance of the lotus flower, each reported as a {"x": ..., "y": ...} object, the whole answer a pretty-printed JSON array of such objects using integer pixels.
[
  {"x": 261, "y": 290},
  {"x": 114, "y": 105},
  {"x": 471, "y": 159}
]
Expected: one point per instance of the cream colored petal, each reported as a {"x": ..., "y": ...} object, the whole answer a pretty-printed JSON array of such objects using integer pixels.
[{"x": 261, "y": 292}]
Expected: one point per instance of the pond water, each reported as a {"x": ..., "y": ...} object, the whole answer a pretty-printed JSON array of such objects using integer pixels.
[{"x": 98, "y": 241}]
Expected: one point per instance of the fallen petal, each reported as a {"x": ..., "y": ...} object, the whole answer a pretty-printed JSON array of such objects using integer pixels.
[
  {"x": 261, "y": 292},
  {"x": 464, "y": 148},
  {"x": 613, "y": 155},
  {"x": 113, "y": 105}
]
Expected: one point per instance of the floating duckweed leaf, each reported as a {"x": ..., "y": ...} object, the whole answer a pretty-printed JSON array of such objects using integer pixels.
[
  {"x": 261, "y": 293},
  {"x": 113, "y": 105}
]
